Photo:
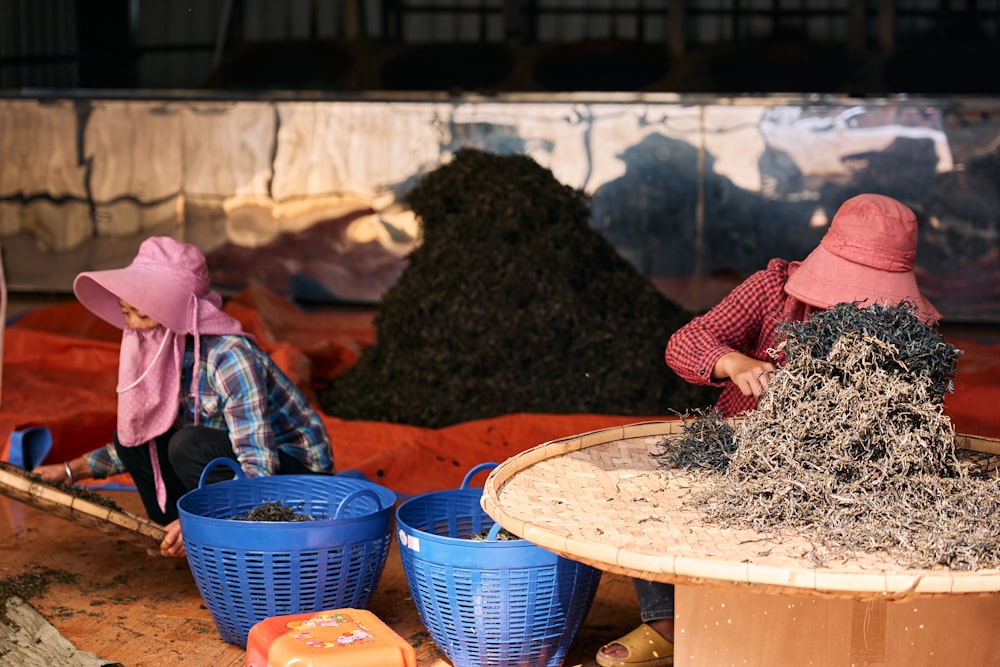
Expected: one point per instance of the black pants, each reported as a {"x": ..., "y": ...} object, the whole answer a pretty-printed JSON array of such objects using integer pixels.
[{"x": 183, "y": 454}]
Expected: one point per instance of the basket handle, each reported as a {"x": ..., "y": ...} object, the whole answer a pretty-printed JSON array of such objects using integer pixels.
[
  {"x": 494, "y": 531},
  {"x": 477, "y": 469},
  {"x": 214, "y": 463},
  {"x": 356, "y": 494}
]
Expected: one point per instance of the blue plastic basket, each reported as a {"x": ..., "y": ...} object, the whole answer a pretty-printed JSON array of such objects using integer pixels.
[
  {"x": 489, "y": 602},
  {"x": 247, "y": 571}
]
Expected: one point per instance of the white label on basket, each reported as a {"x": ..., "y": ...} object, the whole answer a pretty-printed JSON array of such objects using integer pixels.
[{"x": 410, "y": 541}]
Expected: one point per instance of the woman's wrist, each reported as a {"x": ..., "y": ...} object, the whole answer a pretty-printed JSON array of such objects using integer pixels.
[
  {"x": 76, "y": 470},
  {"x": 723, "y": 366}
]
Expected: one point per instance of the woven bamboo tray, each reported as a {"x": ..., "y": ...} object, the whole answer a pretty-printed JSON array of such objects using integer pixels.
[
  {"x": 600, "y": 498},
  {"x": 20, "y": 485}
]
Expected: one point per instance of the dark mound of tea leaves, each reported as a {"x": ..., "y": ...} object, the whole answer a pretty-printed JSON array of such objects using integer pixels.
[
  {"x": 271, "y": 511},
  {"x": 30, "y": 584},
  {"x": 81, "y": 492},
  {"x": 503, "y": 535},
  {"x": 849, "y": 446},
  {"x": 512, "y": 303},
  {"x": 708, "y": 442}
]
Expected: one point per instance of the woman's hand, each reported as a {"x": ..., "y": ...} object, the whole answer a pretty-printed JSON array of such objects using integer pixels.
[
  {"x": 64, "y": 473},
  {"x": 173, "y": 543},
  {"x": 749, "y": 374}
]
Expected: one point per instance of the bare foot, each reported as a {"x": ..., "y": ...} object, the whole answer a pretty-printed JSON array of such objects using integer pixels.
[{"x": 665, "y": 626}]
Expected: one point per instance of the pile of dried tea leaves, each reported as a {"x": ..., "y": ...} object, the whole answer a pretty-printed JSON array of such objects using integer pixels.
[
  {"x": 850, "y": 448},
  {"x": 30, "y": 584},
  {"x": 81, "y": 492},
  {"x": 512, "y": 303},
  {"x": 707, "y": 443},
  {"x": 272, "y": 511},
  {"x": 503, "y": 535}
]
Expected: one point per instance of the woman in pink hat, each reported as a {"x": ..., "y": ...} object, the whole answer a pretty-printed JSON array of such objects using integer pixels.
[
  {"x": 866, "y": 257},
  {"x": 192, "y": 387}
]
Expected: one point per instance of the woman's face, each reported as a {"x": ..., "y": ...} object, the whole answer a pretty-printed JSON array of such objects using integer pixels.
[{"x": 135, "y": 319}]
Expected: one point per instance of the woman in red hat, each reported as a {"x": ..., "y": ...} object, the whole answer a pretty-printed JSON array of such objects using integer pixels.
[
  {"x": 866, "y": 257},
  {"x": 192, "y": 387}
]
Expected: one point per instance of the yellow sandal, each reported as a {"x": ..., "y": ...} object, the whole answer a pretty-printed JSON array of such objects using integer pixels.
[{"x": 646, "y": 648}]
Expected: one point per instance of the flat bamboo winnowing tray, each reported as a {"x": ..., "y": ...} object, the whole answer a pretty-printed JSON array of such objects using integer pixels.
[
  {"x": 22, "y": 486},
  {"x": 601, "y": 498}
]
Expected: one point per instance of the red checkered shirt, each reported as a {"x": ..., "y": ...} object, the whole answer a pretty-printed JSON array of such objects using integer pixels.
[{"x": 744, "y": 321}]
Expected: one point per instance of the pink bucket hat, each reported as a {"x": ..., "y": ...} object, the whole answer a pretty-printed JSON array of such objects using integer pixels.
[
  {"x": 167, "y": 280},
  {"x": 866, "y": 256}
]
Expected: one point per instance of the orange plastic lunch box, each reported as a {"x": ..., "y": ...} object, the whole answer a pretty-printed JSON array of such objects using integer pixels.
[{"x": 336, "y": 638}]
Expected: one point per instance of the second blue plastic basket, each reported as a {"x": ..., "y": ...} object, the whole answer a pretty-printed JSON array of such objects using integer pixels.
[
  {"x": 484, "y": 601},
  {"x": 247, "y": 571}
]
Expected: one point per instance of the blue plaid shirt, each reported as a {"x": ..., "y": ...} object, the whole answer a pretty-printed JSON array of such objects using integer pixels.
[{"x": 243, "y": 392}]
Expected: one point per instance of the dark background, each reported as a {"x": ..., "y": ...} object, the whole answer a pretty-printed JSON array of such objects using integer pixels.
[
  {"x": 933, "y": 60},
  {"x": 856, "y": 47}
]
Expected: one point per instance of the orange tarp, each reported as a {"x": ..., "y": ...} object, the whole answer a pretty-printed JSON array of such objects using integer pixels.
[
  {"x": 974, "y": 406},
  {"x": 60, "y": 367}
]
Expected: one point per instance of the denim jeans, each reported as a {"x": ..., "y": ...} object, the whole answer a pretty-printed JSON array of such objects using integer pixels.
[{"x": 656, "y": 600}]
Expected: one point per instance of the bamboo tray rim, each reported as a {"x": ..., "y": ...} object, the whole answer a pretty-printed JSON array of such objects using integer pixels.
[
  {"x": 809, "y": 579},
  {"x": 21, "y": 486}
]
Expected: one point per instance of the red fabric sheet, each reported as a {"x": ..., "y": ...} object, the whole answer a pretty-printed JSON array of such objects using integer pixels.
[
  {"x": 60, "y": 367},
  {"x": 974, "y": 407}
]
